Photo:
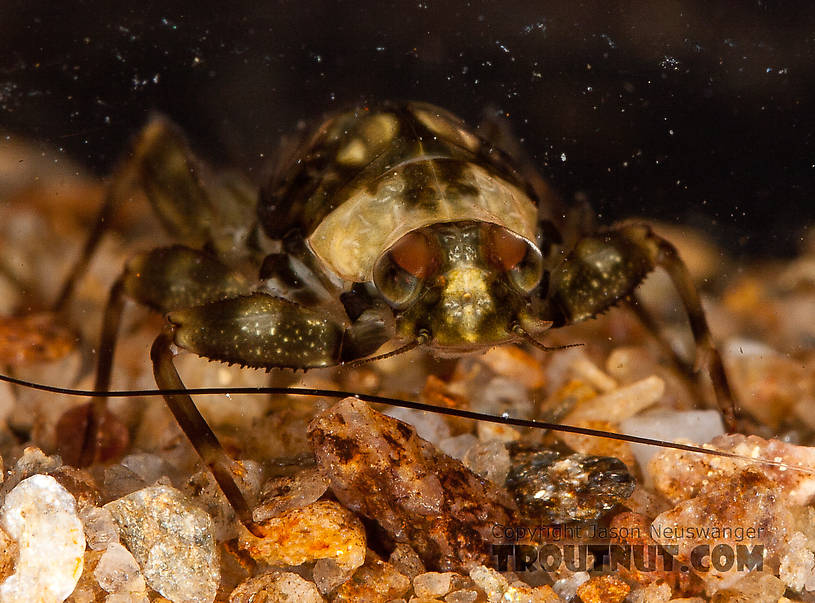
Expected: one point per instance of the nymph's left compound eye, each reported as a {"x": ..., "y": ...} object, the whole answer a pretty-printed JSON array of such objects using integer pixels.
[
  {"x": 401, "y": 271},
  {"x": 519, "y": 258}
]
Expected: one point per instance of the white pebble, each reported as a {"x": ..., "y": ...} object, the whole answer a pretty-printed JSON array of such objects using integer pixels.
[
  {"x": 429, "y": 426},
  {"x": 490, "y": 581},
  {"x": 566, "y": 588},
  {"x": 621, "y": 403},
  {"x": 490, "y": 460},
  {"x": 149, "y": 467},
  {"x": 433, "y": 584},
  {"x": 328, "y": 575},
  {"x": 694, "y": 425},
  {"x": 100, "y": 530},
  {"x": 118, "y": 572},
  {"x": 589, "y": 372},
  {"x": 41, "y": 516},
  {"x": 457, "y": 446},
  {"x": 797, "y": 569}
]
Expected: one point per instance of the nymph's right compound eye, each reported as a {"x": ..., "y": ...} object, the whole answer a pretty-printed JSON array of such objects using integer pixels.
[
  {"x": 401, "y": 271},
  {"x": 516, "y": 256}
]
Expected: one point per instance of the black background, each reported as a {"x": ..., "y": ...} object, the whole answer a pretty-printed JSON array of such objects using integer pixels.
[{"x": 692, "y": 112}]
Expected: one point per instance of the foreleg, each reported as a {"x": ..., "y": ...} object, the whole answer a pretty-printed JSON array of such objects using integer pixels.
[{"x": 605, "y": 268}]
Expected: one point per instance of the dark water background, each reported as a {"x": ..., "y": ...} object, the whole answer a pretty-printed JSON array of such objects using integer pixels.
[{"x": 686, "y": 111}]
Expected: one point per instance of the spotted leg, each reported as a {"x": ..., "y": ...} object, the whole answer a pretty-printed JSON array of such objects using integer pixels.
[
  {"x": 259, "y": 331},
  {"x": 605, "y": 268}
]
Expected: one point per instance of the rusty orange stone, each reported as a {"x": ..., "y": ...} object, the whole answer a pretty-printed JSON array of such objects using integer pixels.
[
  {"x": 33, "y": 338},
  {"x": 603, "y": 589}
]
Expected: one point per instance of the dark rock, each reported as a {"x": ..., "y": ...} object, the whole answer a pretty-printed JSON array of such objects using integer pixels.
[{"x": 552, "y": 488}]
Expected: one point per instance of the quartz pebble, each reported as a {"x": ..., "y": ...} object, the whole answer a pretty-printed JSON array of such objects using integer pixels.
[
  {"x": 567, "y": 587},
  {"x": 405, "y": 559},
  {"x": 381, "y": 469},
  {"x": 204, "y": 492},
  {"x": 755, "y": 587},
  {"x": 653, "y": 593},
  {"x": 768, "y": 384},
  {"x": 8, "y": 555},
  {"x": 463, "y": 595},
  {"x": 149, "y": 467},
  {"x": 276, "y": 587},
  {"x": 432, "y": 584},
  {"x": 619, "y": 404},
  {"x": 747, "y": 500},
  {"x": 498, "y": 589},
  {"x": 502, "y": 396},
  {"x": 586, "y": 370},
  {"x": 495, "y": 431},
  {"x": 377, "y": 581},
  {"x": 100, "y": 529},
  {"x": 33, "y": 461},
  {"x": 797, "y": 570},
  {"x": 40, "y": 515},
  {"x": 80, "y": 483},
  {"x": 457, "y": 446},
  {"x": 490, "y": 581},
  {"x": 429, "y": 426},
  {"x": 118, "y": 572},
  {"x": 321, "y": 530},
  {"x": 120, "y": 481},
  {"x": 680, "y": 475},
  {"x": 694, "y": 425},
  {"x": 511, "y": 361},
  {"x": 490, "y": 460},
  {"x": 87, "y": 588},
  {"x": 518, "y": 592},
  {"x": 281, "y": 494},
  {"x": 172, "y": 540},
  {"x": 328, "y": 574}
]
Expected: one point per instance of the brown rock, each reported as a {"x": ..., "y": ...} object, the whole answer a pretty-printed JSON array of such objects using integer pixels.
[{"x": 381, "y": 469}]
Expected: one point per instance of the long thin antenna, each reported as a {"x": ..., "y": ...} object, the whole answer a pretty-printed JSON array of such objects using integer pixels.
[
  {"x": 412, "y": 345},
  {"x": 519, "y": 330},
  {"x": 454, "y": 412}
]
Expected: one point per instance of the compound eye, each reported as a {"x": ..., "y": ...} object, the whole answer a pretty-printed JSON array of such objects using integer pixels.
[
  {"x": 415, "y": 254},
  {"x": 516, "y": 256},
  {"x": 401, "y": 271}
]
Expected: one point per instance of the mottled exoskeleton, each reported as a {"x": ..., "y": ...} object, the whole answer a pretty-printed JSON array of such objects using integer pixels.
[{"x": 388, "y": 225}]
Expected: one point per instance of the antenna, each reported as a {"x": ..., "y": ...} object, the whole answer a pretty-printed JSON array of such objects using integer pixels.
[{"x": 454, "y": 412}]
